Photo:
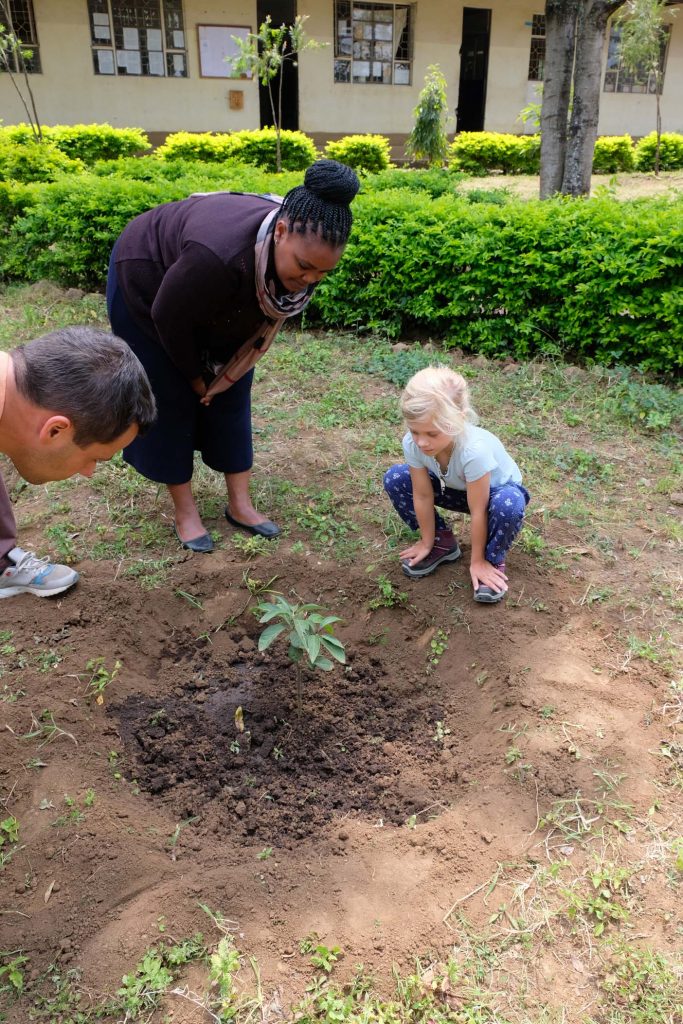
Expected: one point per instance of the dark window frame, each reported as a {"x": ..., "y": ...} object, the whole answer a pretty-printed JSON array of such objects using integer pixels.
[
  {"x": 618, "y": 79},
  {"x": 537, "y": 49},
  {"x": 21, "y": 20},
  {"x": 145, "y": 47},
  {"x": 363, "y": 41}
]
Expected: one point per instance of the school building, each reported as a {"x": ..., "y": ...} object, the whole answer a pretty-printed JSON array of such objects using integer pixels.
[{"x": 164, "y": 65}]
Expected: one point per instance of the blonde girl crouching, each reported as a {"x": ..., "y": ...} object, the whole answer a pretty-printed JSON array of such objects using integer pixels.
[{"x": 454, "y": 464}]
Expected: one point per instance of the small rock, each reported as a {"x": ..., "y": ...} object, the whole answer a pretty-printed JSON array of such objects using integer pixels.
[
  {"x": 400, "y": 346},
  {"x": 343, "y": 836},
  {"x": 677, "y": 498},
  {"x": 65, "y": 945},
  {"x": 240, "y": 809},
  {"x": 487, "y": 837},
  {"x": 247, "y": 645}
]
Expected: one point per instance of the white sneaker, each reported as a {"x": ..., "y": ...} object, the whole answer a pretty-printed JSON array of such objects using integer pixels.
[{"x": 31, "y": 575}]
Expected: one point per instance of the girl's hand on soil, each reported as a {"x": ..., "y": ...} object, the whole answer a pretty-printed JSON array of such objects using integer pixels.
[
  {"x": 486, "y": 575},
  {"x": 415, "y": 553}
]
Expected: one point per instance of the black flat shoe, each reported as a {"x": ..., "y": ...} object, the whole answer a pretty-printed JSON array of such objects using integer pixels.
[
  {"x": 202, "y": 544},
  {"x": 264, "y": 529}
]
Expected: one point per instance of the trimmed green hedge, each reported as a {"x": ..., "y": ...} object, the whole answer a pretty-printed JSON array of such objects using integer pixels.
[
  {"x": 34, "y": 161},
  {"x": 589, "y": 279},
  {"x": 65, "y": 231},
  {"x": 250, "y": 147},
  {"x": 670, "y": 154},
  {"x": 86, "y": 142},
  {"x": 613, "y": 153},
  {"x": 481, "y": 152},
  {"x": 581, "y": 279},
  {"x": 368, "y": 153}
]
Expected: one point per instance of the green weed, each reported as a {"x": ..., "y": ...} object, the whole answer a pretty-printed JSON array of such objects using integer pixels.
[{"x": 388, "y": 595}]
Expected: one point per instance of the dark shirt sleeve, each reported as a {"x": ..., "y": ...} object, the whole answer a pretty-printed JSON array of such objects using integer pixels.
[{"x": 192, "y": 294}]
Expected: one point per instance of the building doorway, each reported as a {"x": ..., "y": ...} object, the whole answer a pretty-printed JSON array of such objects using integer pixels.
[
  {"x": 282, "y": 12},
  {"x": 474, "y": 64}
]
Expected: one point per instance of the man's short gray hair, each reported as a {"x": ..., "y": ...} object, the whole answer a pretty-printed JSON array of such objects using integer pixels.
[{"x": 90, "y": 376}]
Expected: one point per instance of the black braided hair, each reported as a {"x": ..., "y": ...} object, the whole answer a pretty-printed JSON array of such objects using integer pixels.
[{"x": 322, "y": 202}]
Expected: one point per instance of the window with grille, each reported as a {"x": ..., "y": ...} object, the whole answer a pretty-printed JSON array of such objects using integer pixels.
[
  {"x": 619, "y": 79},
  {"x": 138, "y": 37},
  {"x": 18, "y": 18},
  {"x": 537, "y": 52},
  {"x": 373, "y": 43}
]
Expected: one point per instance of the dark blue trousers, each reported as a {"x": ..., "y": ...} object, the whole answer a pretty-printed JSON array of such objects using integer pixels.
[
  {"x": 221, "y": 431},
  {"x": 505, "y": 511}
]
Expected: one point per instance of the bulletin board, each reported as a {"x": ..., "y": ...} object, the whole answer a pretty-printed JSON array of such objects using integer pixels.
[{"x": 217, "y": 48}]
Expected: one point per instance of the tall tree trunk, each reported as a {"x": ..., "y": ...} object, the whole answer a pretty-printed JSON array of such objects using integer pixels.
[
  {"x": 575, "y": 39},
  {"x": 560, "y": 29},
  {"x": 583, "y": 124}
]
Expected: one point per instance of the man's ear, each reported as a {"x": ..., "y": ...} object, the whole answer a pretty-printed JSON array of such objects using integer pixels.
[{"x": 56, "y": 428}]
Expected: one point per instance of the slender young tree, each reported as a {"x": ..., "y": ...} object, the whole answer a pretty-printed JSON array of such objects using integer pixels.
[
  {"x": 265, "y": 54},
  {"x": 428, "y": 140},
  {"x": 643, "y": 34},
  {"x": 12, "y": 49}
]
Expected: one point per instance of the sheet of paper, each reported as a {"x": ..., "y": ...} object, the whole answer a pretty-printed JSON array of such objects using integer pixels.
[
  {"x": 156, "y": 63},
  {"x": 154, "y": 39},
  {"x": 131, "y": 39},
  {"x": 105, "y": 62}
]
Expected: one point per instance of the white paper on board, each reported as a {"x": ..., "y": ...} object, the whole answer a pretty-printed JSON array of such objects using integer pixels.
[
  {"x": 154, "y": 39},
  {"x": 105, "y": 62},
  {"x": 131, "y": 39}
]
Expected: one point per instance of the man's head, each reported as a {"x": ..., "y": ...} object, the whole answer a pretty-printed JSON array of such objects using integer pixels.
[{"x": 86, "y": 396}]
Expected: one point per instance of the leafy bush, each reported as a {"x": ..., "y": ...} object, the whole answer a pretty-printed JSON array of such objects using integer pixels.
[
  {"x": 91, "y": 142},
  {"x": 368, "y": 153},
  {"x": 204, "y": 146},
  {"x": 613, "y": 153},
  {"x": 65, "y": 231},
  {"x": 250, "y": 147},
  {"x": 481, "y": 152},
  {"x": 197, "y": 176},
  {"x": 86, "y": 142},
  {"x": 670, "y": 155},
  {"x": 34, "y": 161},
  {"x": 590, "y": 280},
  {"x": 15, "y": 199},
  {"x": 435, "y": 181},
  {"x": 259, "y": 147}
]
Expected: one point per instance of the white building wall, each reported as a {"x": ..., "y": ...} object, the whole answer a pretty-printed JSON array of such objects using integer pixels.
[{"x": 68, "y": 90}]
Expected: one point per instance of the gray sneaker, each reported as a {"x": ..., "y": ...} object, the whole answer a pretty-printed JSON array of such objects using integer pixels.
[{"x": 30, "y": 575}]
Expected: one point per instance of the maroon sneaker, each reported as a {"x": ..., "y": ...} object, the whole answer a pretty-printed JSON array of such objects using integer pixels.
[{"x": 446, "y": 549}]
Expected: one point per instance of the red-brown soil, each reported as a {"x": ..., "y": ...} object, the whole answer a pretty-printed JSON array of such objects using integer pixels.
[{"x": 184, "y": 801}]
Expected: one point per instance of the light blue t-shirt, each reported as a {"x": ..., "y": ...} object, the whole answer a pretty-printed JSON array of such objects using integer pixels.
[{"x": 476, "y": 453}]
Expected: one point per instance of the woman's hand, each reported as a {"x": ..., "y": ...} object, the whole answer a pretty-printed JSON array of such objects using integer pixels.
[
  {"x": 486, "y": 575},
  {"x": 198, "y": 385},
  {"x": 415, "y": 553}
]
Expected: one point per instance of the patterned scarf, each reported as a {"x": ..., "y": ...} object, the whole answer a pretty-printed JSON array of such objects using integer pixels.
[{"x": 275, "y": 309}]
